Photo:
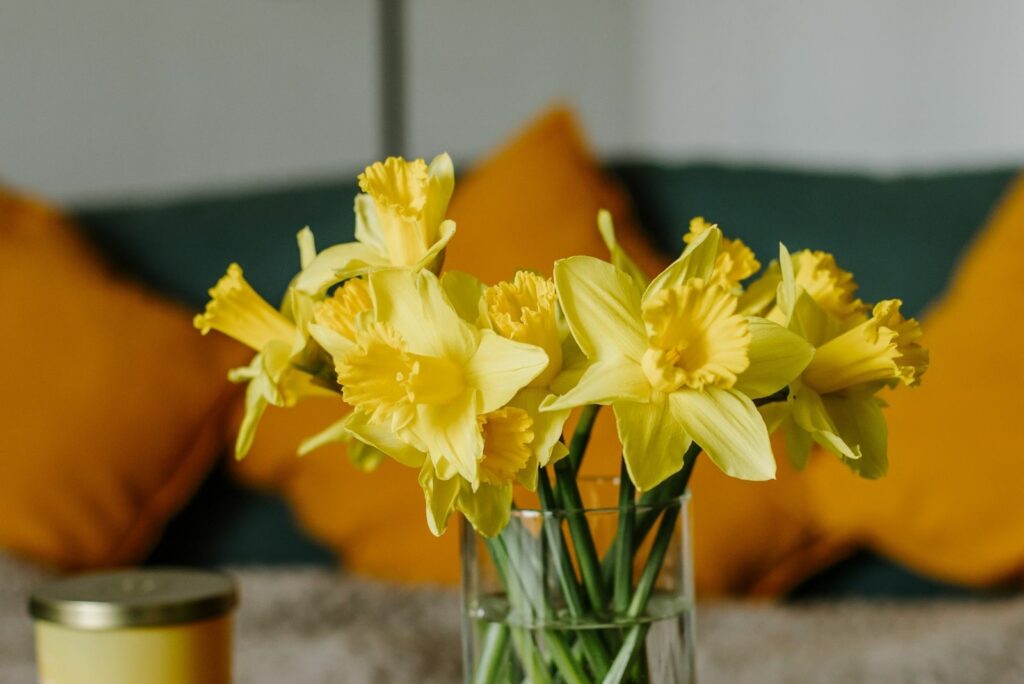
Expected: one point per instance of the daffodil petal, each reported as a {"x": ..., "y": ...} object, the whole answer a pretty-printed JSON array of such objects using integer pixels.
[
  {"x": 861, "y": 422},
  {"x": 337, "y": 263},
  {"x": 307, "y": 246},
  {"x": 501, "y": 367},
  {"x": 413, "y": 303},
  {"x": 798, "y": 443},
  {"x": 276, "y": 364},
  {"x": 730, "y": 430},
  {"x": 382, "y": 438},
  {"x": 610, "y": 380},
  {"x": 255, "y": 405},
  {"x": 296, "y": 385},
  {"x": 810, "y": 321},
  {"x": 602, "y": 306},
  {"x": 786, "y": 295},
  {"x": 757, "y": 299},
  {"x": 777, "y": 356},
  {"x": 696, "y": 261},
  {"x": 332, "y": 434},
  {"x": 810, "y": 414},
  {"x": 440, "y": 496},
  {"x": 442, "y": 184},
  {"x": 433, "y": 258},
  {"x": 333, "y": 342},
  {"x": 488, "y": 508},
  {"x": 620, "y": 259},
  {"x": 774, "y": 414},
  {"x": 368, "y": 230},
  {"x": 653, "y": 440},
  {"x": 364, "y": 457},
  {"x": 547, "y": 429},
  {"x": 466, "y": 294},
  {"x": 451, "y": 433}
]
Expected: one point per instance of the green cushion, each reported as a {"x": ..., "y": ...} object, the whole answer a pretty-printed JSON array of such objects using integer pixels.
[
  {"x": 901, "y": 236},
  {"x": 181, "y": 247}
]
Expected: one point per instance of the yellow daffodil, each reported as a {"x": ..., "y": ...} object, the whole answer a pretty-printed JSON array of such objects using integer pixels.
[
  {"x": 419, "y": 372},
  {"x": 400, "y": 223},
  {"x": 735, "y": 261},
  {"x": 505, "y": 453},
  {"x": 333, "y": 324},
  {"x": 676, "y": 362},
  {"x": 833, "y": 403},
  {"x": 273, "y": 376},
  {"x": 525, "y": 310},
  {"x": 815, "y": 273},
  {"x": 618, "y": 256}
]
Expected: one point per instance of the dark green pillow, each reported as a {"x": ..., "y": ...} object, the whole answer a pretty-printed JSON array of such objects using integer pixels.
[
  {"x": 181, "y": 247},
  {"x": 900, "y": 236}
]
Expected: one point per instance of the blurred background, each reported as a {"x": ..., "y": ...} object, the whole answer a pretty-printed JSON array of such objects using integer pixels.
[
  {"x": 163, "y": 140},
  {"x": 114, "y": 98}
]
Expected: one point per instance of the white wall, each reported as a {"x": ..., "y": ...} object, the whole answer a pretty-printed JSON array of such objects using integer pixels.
[
  {"x": 876, "y": 84},
  {"x": 479, "y": 70},
  {"x": 104, "y": 98},
  {"x": 108, "y": 98}
]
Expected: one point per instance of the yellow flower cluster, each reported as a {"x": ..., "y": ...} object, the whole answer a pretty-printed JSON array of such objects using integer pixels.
[{"x": 472, "y": 384}]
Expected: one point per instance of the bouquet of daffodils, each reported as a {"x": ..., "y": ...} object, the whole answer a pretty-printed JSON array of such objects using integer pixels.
[{"x": 470, "y": 384}]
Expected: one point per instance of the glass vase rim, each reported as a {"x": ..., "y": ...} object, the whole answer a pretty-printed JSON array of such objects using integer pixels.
[{"x": 530, "y": 512}]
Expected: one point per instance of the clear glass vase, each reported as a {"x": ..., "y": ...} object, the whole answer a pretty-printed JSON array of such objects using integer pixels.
[{"x": 598, "y": 593}]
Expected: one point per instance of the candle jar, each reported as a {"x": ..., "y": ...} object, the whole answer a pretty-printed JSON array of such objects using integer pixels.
[{"x": 160, "y": 626}]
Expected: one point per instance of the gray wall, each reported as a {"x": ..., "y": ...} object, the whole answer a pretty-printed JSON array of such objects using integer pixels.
[{"x": 113, "y": 98}]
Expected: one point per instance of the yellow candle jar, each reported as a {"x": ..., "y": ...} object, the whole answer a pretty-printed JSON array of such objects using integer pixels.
[{"x": 158, "y": 626}]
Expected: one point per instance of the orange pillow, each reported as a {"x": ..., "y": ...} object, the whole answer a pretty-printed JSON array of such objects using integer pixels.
[
  {"x": 112, "y": 404},
  {"x": 952, "y": 505},
  {"x": 533, "y": 202}
]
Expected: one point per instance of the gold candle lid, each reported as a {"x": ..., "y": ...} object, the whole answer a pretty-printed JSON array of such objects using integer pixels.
[{"x": 134, "y": 598}]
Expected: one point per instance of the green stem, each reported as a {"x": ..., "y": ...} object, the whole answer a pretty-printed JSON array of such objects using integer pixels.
[
  {"x": 652, "y": 567},
  {"x": 671, "y": 488},
  {"x": 634, "y": 638},
  {"x": 593, "y": 647},
  {"x": 581, "y": 436},
  {"x": 516, "y": 592},
  {"x": 492, "y": 654},
  {"x": 645, "y": 586},
  {"x": 675, "y": 485},
  {"x": 530, "y": 656},
  {"x": 564, "y": 660},
  {"x": 582, "y": 540},
  {"x": 623, "y": 552}
]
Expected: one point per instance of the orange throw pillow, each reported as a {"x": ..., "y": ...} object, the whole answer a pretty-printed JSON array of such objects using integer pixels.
[
  {"x": 952, "y": 506},
  {"x": 112, "y": 404}
]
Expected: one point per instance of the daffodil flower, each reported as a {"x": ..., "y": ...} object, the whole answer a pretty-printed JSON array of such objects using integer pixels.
[
  {"x": 676, "y": 362},
  {"x": 419, "y": 372},
  {"x": 273, "y": 376},
  {"x": 834, "y": 402},
  {"x": 817, "y": 274},
  {"x": 505, "y": 438},
  {"x": 400, "y": 223},
  {"x": 735, "y": 261},
  {"x": 525, "y": 310}
]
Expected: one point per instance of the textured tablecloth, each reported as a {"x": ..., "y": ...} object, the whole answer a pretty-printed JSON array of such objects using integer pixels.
[{"x": 313, "y": 626}]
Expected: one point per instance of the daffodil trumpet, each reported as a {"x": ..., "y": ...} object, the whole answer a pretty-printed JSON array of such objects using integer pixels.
[{"x": 469, "y": 385}]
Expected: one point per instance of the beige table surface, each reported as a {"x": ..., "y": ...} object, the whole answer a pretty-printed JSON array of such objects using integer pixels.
[{"x": 303, "y": 625}]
